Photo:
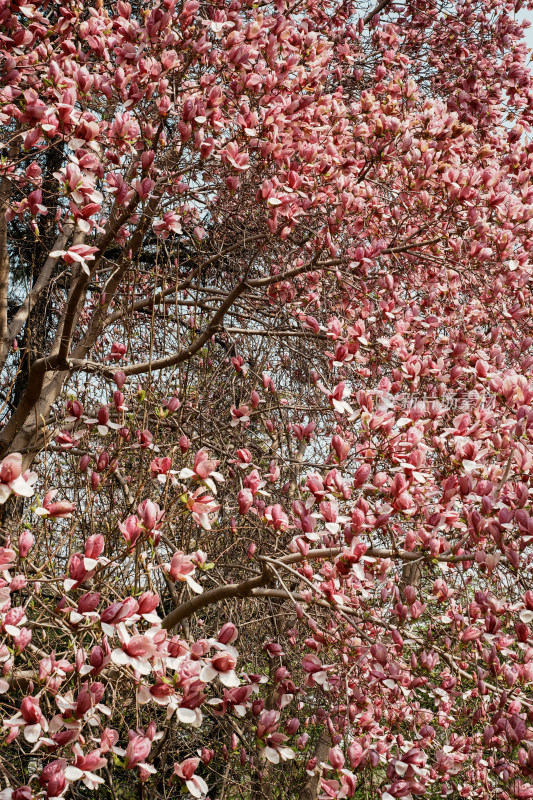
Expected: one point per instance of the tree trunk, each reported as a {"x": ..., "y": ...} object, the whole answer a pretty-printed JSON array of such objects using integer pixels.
[{"x": 312, "y": 785}]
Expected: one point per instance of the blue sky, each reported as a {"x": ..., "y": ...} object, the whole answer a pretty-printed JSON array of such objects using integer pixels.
[{"x": 529, "y": 34}]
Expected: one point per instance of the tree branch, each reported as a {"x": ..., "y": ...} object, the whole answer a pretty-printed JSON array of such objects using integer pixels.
[
  {"x": 184, "y": 355},
  {"x": 215, "y": 595},
  {"x": 371, "y": 14}
]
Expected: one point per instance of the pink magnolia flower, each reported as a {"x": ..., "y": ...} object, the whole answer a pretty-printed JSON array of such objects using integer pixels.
[
  {"x": 22, "y": 639},
  {"x": 162, "y": 693},
  {"x": 52, "y": 671},
  {"x": 87, "y": 605},
  {"x": 240, "y": 415},
  {"x": 171, "y": 223},
  {"x": 277, "y": 517},
  {"x": 66, "y": 441},
  {"x": 337, "y": 397},
  {"x": 227, "y": 634},
  {"x": 181, "y": 568},
  {"x": 316, "y": 486},
  {"x": 303, "y": 432},
  {"x": 239, "y": 161},
  {"x": 276, "y": 750},
  {"x": 145, "y": 439},
  {"x": 341, "y": 448},
  {"x": 20, "y": 793},
  {"x": 315, "y": 669},
  {"x": 185, "y": 771},
  {"x": 329, "y": 511},
  {"x": 62, "y": 509},
  {"x": 243, "y": 458},
  {"x": 7, "y": 556},
  {"x": 53, "y": 778},
  {"x": 273, "y": 472},
  {"x": 12, "y": 479},
  {"x": 88, "y": 698},
  {"x": 361, "y": 475},
  {"x": 470, "y": 634},
  {"x": 84, "y": 768},
  {"x": 240, "y": 366},
  {"x": 136, "y": 651},
  {"x": 336, "y": 758},
  {"x": 98, "y": 661},
  {"x": 125, "y": 611},
  {"x": 87, "y": 707},
  {"x": 138, "y": 749},
  {"x": 102, "y": 420},
  {"x": 204, "y": 469},
  {"x": 148, "y": 602},
  {"x": 160, "y": 469},
  {"x": 149, "y": 514},
  {"x": 245, "y": 499},
  {"x": 221, "y": 666},
  {"x": 83, "y": 567},
  {"x": 77, "y": 254},
  {"x": 94, "y": 547},
  {"x": 202, "y": 506},
  {"x": 131, "y": 529},
  {"x": 235, "y": 699},
  {"x": 25, "y": 543},
  {"x": 253, "y": 482},
  {"x": 268, "y": 723},
  {"x": 30, "y": 718},
  {"x": 304, "y": 520}
]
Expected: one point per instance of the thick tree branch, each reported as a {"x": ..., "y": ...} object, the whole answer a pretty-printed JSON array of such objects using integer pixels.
[
  {"x": 376, "y": 10},
  {"x": 215, "y": 595},
  {"x": 246, "y": 588},
  {"x": 197, "y": 344},
  {"x": 172, "y": 290},
  {"x": 24, "y": 310},
  {"x": 5, "y": 189}
]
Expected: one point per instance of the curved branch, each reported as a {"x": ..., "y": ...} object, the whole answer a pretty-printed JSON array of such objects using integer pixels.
[
  {"x": 247, "y": 588},
  {"x": 184, "y": 355},
  {"x": 215, "y": 595},
  {"x": 371, "y": 14}
]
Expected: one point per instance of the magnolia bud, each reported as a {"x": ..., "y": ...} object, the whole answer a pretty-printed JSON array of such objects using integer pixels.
[
  {"x": 292, "y": 726},
  {"x": 120, "y": 379},
  {"x": 18, "y": 583},
  {"x": 228, "y": 633},
  {"x": 245, "y": 499},
  {"x": 172, "y": 404},
  {"x": 23, "y": 639},
  {"x": 94, "y": 546},
  {"x": 336, "y": 758},
  {"x": 103, "y": 461},
  {"x": 355, "y": 754},
  {"x": 25, "y": 543},
  {"x": 88, "y": 602}
]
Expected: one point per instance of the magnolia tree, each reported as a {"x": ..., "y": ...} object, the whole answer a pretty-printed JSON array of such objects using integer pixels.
[{"x": 266, "y": 341}]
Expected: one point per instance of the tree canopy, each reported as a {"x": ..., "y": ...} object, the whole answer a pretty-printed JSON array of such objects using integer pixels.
[{"x": 266, "y": 400}]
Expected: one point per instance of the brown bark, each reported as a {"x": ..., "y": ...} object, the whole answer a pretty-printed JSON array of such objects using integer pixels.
[
  {"x": 311, "y": 787},
  {"x": 215, "y": 595}
]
